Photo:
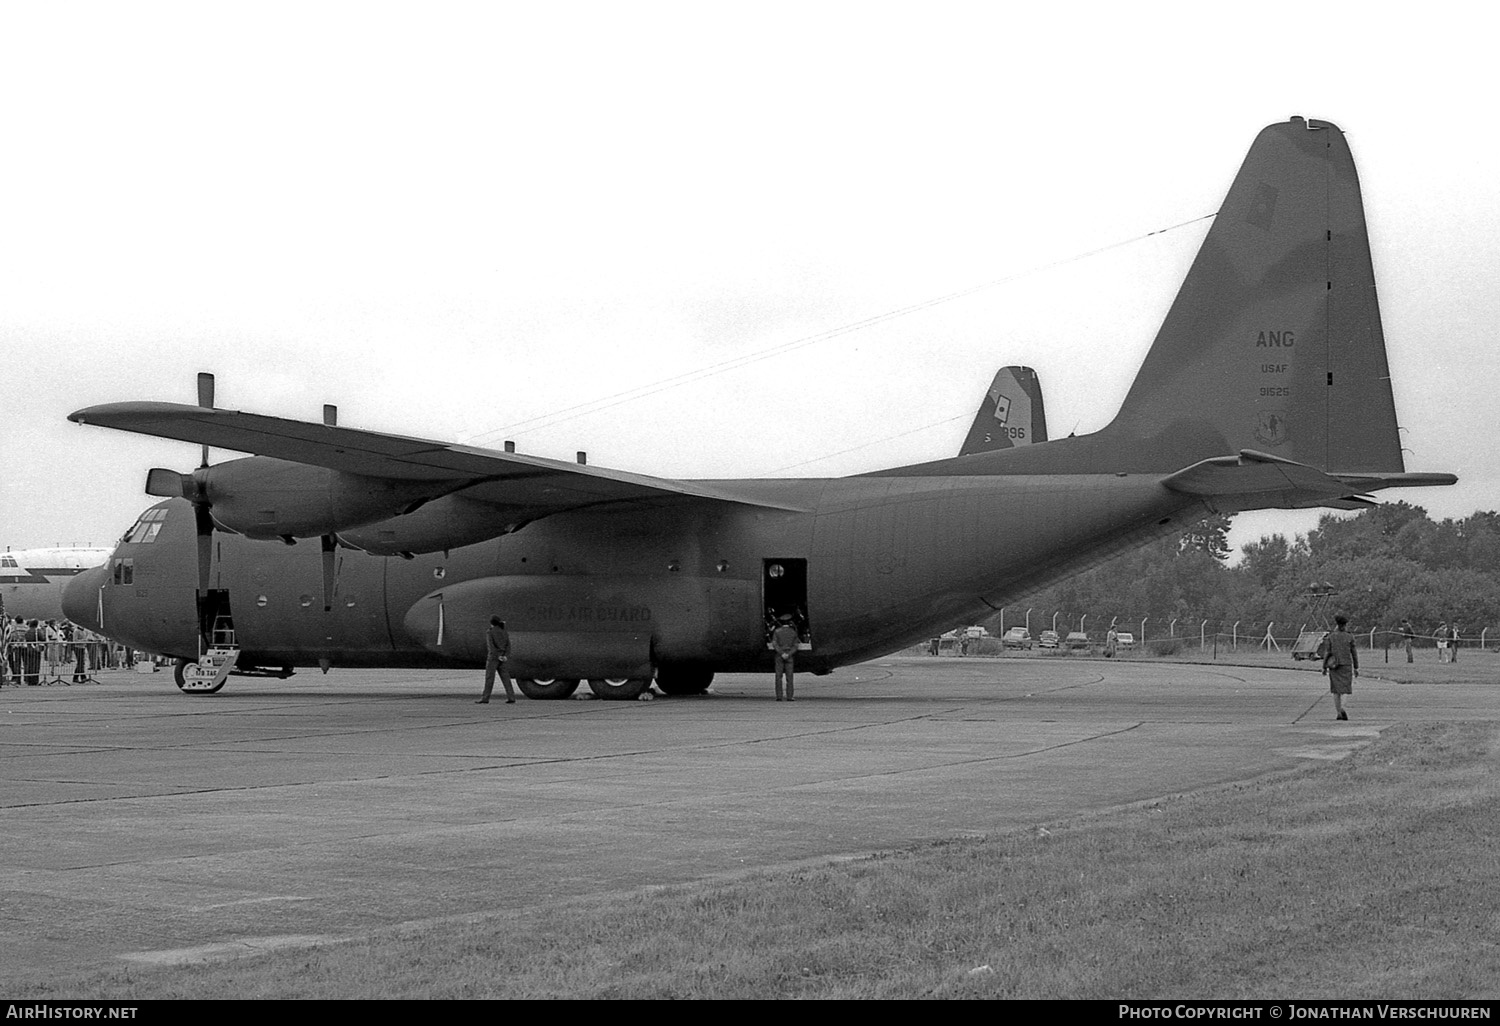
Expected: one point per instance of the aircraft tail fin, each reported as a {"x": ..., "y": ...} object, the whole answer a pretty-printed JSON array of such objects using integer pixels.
[
  {"x": 1010, "y": 414},
  {"x": 1274, "y": 341}
]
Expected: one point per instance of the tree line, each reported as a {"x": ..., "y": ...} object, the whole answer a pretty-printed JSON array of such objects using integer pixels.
[{"x": 1386, "y": 564}]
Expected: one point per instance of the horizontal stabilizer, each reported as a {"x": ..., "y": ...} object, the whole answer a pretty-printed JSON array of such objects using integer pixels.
[
  {"x": 1353, "y": 502},
  {"x": 1253, "y": 480},
  {"x": 1252, "y": 472},
  {"x": 1372, "y": 482}
]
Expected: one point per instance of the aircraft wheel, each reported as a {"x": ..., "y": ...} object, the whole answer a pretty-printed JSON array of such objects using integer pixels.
[
  {"x": 549, "y": 688},
  {"x": 188, "y": 687},
  {"x": 619, "y": 687},
  {"x": 684, "y": 680}
]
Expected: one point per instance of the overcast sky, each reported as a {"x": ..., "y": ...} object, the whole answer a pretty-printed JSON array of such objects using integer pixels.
[{"x": 642, "y": 229}]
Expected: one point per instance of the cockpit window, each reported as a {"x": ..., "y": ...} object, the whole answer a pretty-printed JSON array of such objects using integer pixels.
[
  {"x": 146, "y": 528},
  {"x": 9, "y": 561}
]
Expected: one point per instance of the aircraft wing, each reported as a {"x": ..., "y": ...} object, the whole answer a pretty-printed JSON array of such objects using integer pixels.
[
  {"x": 1257, "y": 477},
  {"x": 515, "y": 479}
]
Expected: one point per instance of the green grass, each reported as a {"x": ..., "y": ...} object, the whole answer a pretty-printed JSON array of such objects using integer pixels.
[{"x": 1371, "y": 877}]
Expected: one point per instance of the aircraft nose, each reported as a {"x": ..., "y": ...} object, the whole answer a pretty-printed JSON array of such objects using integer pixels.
[{"x": 80, "y": 600}]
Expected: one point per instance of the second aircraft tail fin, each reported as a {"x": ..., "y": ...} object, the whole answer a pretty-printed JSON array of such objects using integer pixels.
[{"x": 1010, "y": 414}]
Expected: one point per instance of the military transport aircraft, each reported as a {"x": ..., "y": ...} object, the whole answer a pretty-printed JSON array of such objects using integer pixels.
[{"x": 1266, "y": 387}]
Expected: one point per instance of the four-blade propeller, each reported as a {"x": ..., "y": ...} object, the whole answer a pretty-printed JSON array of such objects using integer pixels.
[{"x": 194, "y": 488}]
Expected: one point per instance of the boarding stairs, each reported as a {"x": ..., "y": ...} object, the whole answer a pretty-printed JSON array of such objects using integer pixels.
[{"x": 214, "y": 662}]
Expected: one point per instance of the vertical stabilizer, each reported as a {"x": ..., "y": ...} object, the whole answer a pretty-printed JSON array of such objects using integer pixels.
[
  {"x": 1010, "y": 414},
  {"x": 1274, "y": 340}
]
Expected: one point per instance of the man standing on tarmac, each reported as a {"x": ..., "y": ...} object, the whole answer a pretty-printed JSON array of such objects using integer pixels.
[
  {"x": 497, "y": 650},
  {"x": 784, "y": 647}
]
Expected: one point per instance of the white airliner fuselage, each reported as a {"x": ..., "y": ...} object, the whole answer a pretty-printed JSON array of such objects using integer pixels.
[{"x": 32, "y": 580}]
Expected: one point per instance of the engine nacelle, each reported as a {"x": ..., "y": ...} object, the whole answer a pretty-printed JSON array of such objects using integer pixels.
[
  {"x": 262, "y": 497},
  {"x": 450, "y": 522}
]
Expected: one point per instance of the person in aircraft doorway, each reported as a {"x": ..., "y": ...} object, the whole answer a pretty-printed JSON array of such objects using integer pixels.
[
  {"x": 784, "y": 647},
  {"x": 497, "y": 651}
]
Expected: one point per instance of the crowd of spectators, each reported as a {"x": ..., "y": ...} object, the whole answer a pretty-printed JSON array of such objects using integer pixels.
[{"x": 35, "y": 652}]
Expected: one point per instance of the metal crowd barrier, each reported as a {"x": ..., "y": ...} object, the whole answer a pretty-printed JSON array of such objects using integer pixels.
[{"x": 36, "y": 663}]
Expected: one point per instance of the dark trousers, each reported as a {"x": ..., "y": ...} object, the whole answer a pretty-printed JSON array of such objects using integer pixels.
[
  {"x": 32, "y": 671},
  {"x": 494, "y": 665},
  {"x": 784, "y": 665}
]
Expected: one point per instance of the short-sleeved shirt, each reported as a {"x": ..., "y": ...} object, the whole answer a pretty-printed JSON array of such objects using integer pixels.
[{"x": 784, "y": 639}]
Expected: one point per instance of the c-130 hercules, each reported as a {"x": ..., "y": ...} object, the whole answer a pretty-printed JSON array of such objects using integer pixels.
[{"x": 1266, "y": 387}]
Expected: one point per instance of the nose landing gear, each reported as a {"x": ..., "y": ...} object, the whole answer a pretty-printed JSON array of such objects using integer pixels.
[{"x": 208, "y": 674}]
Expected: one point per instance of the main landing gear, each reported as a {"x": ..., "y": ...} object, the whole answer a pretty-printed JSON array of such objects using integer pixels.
[
  {"x": 679, "y": 680},
  {"x": 549, "y": 688},
  {"x": 619, "y": 687},
  {"x": 615, "y": 687}
]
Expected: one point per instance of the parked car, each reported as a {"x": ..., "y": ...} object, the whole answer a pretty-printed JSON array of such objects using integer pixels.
[
  {"x": 1076, "y": 639},
  {"x": 1016, "y": 637},
  {"x": 1047, "y": 639},
  {"x": 1126, "y": 641},
  {"x": 975, "y": 633}
]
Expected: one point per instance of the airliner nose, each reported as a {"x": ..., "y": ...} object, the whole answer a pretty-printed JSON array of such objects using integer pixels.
[{"x": 80, "y": 600}]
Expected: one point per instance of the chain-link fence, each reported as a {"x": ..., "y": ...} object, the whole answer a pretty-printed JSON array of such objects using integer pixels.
[{"x": 1107, "y": 634}]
